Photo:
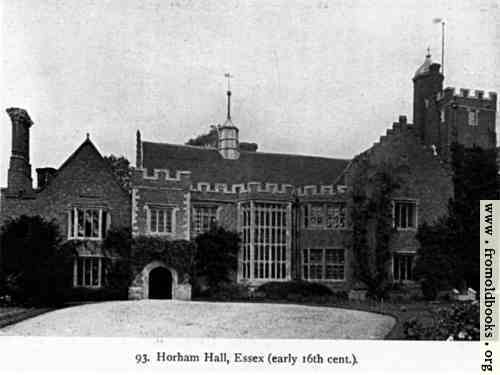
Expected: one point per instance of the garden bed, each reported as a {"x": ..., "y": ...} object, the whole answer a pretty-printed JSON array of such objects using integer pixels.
[{"x": 11, "y": 315}]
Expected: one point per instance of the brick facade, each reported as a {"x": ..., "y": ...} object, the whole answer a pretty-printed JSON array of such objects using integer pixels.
[{"x": 283, "y": 206}]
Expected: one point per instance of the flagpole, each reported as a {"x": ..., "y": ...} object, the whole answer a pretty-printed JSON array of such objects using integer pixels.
[{"x": 442, "y": 47}]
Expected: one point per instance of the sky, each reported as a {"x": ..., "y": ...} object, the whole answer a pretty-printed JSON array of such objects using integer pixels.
[{"x": 317, "y": 77}]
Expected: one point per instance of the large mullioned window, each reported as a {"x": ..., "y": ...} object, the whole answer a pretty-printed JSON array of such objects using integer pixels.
[
  {"x": 88, "y": 223},
  {"x": 323, "y": 264},
  {"x": 265, "y": 243}
]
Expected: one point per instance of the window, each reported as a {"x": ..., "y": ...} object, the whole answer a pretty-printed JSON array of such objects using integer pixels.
[
  {"x": 402, "y": 267},
  {"x": 203, "y": 218},
  {"x": 88, "y": 223},
  {"x": 317, "y": 215},
  {"x": 442, "y": 114},
  {"x": 87, "y": 272},
  {"x": 473, "y": 117},
  {"x": 265, "y": 246},
  {"x": 405, "y": 214},
  {"x": 160, "y": 220},
  {"x": 335, "y": 216},
  {"x": 314, "y": 215},
  {"x": 323, "y": 264}
]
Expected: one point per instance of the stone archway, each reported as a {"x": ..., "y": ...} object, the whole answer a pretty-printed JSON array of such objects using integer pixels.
[
  {"x": 146, "y": 274},
  {"x": 160, "y": 283},
  {"x": 139, "y": 289},
  {"x": 158, "y": 274}
]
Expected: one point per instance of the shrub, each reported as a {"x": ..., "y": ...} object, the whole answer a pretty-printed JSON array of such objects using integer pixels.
[
  {"x": 459, "y": 322},
  {"x": 36, "y": 269},
  {"x": 292, "y": 290},
  {"x": 96, "y": 295},
  {"x": 226, "y": 292},
  {"x": 217, "y": 256}
]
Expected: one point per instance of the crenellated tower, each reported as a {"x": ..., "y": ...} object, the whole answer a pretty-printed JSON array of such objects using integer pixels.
[
  {"x": 444, "y": 117},
  {"x": 467, "y": 118}
]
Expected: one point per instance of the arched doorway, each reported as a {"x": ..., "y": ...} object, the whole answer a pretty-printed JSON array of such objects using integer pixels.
[{"x": 160, "y": 283}]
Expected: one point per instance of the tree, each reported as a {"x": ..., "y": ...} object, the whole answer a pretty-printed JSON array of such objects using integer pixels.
[
  {"x": 36, "y": 270},
  {"x": 121, "y": 169},
  {"x": 217, "y": 255},
  {"x": 449, "y": 253},
  {"x": 207, "y": 139}
]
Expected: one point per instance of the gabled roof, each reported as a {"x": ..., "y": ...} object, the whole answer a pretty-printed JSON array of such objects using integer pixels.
[
  {"x": 86, "y": 143},
  {"x": 207, "y": 165}
]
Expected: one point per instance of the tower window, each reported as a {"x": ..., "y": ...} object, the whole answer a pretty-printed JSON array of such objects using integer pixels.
[{"x": 473, "y": 117}]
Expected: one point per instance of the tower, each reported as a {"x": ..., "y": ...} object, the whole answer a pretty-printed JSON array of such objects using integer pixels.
[
  {"x": 427, "y": 83},
  {"x": 228, "y": 144},
  {"x": 467, "y": 118},
  {"x": 19, "y": 175}
]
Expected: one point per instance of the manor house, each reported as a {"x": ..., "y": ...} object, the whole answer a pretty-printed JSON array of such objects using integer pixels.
[{"x": 293, "y": 212}]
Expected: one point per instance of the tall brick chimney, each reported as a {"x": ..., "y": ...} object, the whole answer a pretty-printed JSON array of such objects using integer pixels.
[{"x": 19, "y": 175}]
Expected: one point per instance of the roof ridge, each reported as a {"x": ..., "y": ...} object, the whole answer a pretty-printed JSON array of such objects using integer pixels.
[{"x": 249, "y": 152}]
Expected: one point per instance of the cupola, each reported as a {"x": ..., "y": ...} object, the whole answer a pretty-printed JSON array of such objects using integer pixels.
[{"x": 228, "y": 143}]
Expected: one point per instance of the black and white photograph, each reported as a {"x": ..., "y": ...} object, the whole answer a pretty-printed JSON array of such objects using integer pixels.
[{"x": 248, "y": 170}]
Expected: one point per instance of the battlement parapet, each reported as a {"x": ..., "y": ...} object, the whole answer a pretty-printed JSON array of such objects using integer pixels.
[
  {"x": 270, "y": 188},
  {"x": 160, "y": 175},
  {"x": 450, "y": 92}
]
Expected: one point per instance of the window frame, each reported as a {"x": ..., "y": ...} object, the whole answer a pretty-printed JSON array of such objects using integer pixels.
[
  {"x": 395, "y": 265},
  {"x": 306, "y": 263},
  {"x": 407, "y": 201},
  {"x": 103, "y": 222},
  {"x": 160, "y": 207},
  {"x": 196, "y": 208},
  {"x": 265, "y": 250},
  {"x": 473, "y": 117},
  {"x": 306, "y": 212},
  {"x": 87, "y": 261}
]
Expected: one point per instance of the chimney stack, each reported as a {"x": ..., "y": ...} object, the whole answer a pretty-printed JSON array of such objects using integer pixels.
[{"x": 19, "y": 175}]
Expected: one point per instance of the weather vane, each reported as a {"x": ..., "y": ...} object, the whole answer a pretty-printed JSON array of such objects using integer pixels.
[{"x": 228, "y": 76}]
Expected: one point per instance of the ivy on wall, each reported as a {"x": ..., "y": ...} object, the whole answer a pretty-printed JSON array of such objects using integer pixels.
[{"x": 372, "y": 223}]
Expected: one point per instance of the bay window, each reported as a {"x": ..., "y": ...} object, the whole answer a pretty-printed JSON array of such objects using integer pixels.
[{"x": 265, "y": 248}]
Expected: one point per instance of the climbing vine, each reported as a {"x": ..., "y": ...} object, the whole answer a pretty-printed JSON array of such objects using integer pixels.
[{"x": 372, "y": 226}]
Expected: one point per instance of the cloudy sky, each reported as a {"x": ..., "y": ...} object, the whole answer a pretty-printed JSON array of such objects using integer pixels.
[{"x": 322, "y": 77}]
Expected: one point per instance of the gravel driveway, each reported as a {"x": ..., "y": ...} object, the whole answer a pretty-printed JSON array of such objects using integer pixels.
[{"x": 156, "y": 318}]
